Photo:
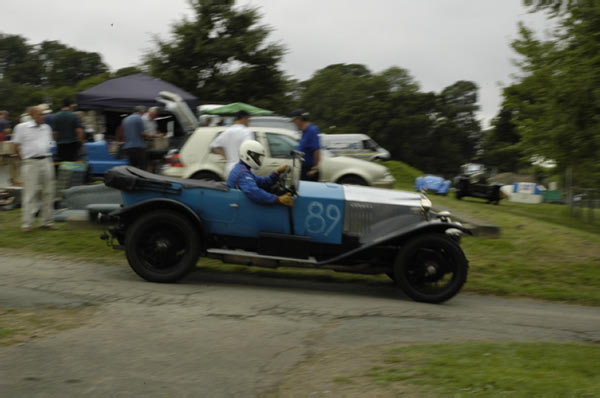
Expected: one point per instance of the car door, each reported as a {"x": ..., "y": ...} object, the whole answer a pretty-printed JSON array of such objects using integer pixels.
[{"x": 278, "y": 148}]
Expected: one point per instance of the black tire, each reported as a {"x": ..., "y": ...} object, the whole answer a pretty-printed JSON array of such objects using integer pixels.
[
  {"x": 352, "y": 180},
  {"x": 205, "y": 175},
  {"x": 162, "y": 246},
  {"x": 431, "y": 268}
]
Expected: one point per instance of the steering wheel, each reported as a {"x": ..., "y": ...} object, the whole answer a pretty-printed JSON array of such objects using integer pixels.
[{"x": 281, "y": 187}]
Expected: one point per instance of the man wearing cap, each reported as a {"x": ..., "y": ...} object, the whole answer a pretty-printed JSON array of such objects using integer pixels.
[
  {"x": 309, "y": 144},
  {"x": 32, "y": 140},
  {"x": 229, "y": 142}
]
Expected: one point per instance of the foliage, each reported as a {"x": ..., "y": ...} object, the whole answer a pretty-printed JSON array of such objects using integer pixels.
[
  {"x": 491, "y": 369},
  {"x": 415, "y": 127},
  {"x": 48, "y": 64},
  {"x": 220, "y": 55},
  {"x": 130, "y": 70},
  {"x": 556, "y": 101},
  {"x": 500, "y": 144},
  {"x": 47, "y": 72}
]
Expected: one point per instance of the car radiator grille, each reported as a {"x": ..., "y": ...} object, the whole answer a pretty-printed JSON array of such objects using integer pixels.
[{"x": 358, "y": 218}]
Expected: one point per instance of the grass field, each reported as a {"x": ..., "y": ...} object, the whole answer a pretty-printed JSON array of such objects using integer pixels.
[
  {"x": 490, "y": 369},
  {"x": 541, "y": 253}
]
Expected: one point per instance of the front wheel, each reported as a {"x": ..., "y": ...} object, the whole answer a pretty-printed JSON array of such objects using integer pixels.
[
  {"x": 431, "y": 268},
  {"x": 162, "y": 246}
]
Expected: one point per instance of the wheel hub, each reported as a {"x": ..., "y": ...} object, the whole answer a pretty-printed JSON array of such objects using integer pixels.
[
  {"x": 430, "y": 269},
  {"x": 162, "y": 245}
]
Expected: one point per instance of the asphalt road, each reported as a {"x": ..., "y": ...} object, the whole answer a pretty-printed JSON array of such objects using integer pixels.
[{"x": 222, "y": 335}]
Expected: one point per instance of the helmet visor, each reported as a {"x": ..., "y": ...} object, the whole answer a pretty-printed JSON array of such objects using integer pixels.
[{"x": 257, "y": 157}]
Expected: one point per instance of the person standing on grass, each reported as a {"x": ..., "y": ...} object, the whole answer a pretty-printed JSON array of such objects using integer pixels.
[
  {"x": 309, "y": 145},
  {"x": 228, "y": 143},
  {"x": 32, "y": 140},
  {"x": 68, "y": 133},
  {"x": 134, "y": 131}
]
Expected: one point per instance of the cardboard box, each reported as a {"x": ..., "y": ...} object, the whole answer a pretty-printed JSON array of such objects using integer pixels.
[{"x": 159, "y": 144}]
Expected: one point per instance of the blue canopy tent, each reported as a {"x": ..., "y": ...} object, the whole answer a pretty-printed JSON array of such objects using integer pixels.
[{"x": 124, "y": 93}]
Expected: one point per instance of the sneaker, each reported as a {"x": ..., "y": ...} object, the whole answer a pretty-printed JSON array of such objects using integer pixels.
[{"x": 26, "y": 229}]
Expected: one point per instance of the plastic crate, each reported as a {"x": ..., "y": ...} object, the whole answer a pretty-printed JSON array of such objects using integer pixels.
[{"x": 70, "y": 174}]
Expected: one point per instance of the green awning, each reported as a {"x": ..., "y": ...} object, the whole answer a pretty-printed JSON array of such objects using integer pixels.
[{"x": 232, "y": 109}]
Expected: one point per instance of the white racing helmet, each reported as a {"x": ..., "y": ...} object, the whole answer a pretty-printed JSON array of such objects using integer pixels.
[{"x": 251, "y": 153}]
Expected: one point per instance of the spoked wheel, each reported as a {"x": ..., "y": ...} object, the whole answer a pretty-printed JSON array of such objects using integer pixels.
[
  {"x": 431, "y": 268},
  {"x": 162, "y": 246}
]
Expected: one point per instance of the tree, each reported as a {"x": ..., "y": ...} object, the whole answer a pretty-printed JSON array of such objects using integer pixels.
[
  {"x": 46, "y": 72},
  {"x": 19, "y": 62},
  {"x": 435, "y": 133},
  {"x": 221, "y": 55},
  {"x": 557, "y": 98},
  {"x": 64, "y": 65},
  {"x": 129, "y": 70},
  {"x": 49, "y": 64},
  {"x": 500, "y": 145}
]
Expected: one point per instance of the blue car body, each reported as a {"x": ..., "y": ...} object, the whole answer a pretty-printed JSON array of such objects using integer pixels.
[
  {"x": 230, "y": 213},
  {"x": 166, "y": 223},
  {"x": 433, "y": 184}
]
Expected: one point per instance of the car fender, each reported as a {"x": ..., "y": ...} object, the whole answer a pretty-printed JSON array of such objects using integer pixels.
[
  {"x": 399, "y": 236},
  {"x": 351, "y": 171},
  {"x": 126, "y": 215},
  {"x": 212, "y": 168}
]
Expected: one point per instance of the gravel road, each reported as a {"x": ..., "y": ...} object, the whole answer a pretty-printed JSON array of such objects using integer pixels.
[{"x": 223, "y": 335}]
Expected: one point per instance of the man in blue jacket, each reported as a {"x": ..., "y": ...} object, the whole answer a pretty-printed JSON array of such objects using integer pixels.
[
  {"x": 309, "y": 145},
  {"x": 255, "y": 187}
]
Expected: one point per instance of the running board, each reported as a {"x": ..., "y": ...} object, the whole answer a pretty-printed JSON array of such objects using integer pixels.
[{"x": 246, "y": 254}]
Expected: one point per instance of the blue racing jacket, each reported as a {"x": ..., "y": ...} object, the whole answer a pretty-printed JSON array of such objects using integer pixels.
[{"x": 252, "y": 185}]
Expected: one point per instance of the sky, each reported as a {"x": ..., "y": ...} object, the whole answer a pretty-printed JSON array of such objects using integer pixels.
[{"x": 438, "y": 41}]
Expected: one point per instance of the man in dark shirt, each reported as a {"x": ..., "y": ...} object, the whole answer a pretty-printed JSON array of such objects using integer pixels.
[
  {"x": 309, "y": 144},
  {"x": 134, "y": 131},
  {"x": 68, "y": 133}
]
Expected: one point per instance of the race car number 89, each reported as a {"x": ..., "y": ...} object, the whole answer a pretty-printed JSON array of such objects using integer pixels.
[{"x": 322, "y": 219}]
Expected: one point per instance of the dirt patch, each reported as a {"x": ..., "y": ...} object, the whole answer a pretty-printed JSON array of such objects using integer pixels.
[
  {"x": 341, "y": 373},
  {"x": 18, "y": 325}
]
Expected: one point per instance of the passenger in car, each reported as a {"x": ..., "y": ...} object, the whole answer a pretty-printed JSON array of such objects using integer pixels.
[{"x": 253, "y": 186}]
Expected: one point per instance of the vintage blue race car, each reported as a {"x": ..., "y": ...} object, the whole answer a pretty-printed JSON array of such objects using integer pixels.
[
  {"x": 166, "y": 223},
  {"x": 433, "y": 184}
]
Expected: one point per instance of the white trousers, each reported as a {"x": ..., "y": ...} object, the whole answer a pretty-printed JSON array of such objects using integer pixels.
[{"x": 37, "y": 175}]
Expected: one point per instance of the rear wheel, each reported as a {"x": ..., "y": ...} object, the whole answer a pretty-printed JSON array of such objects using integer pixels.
[
  {"x": 162, "y": 246},
  {"x": 352, "y": 180},
  {"x": 431, "y": 268},
  {"x": 205, "y": 175}
]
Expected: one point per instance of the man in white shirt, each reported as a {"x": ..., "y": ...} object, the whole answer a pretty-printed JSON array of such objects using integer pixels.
[
  {"x": 149, "y": 122},
  {"x": 228, "y": 143},
  {"x": 32, "y": 140}
]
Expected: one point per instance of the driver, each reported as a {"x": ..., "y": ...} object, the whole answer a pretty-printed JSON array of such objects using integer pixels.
[{"x": 242, "y": 178}]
